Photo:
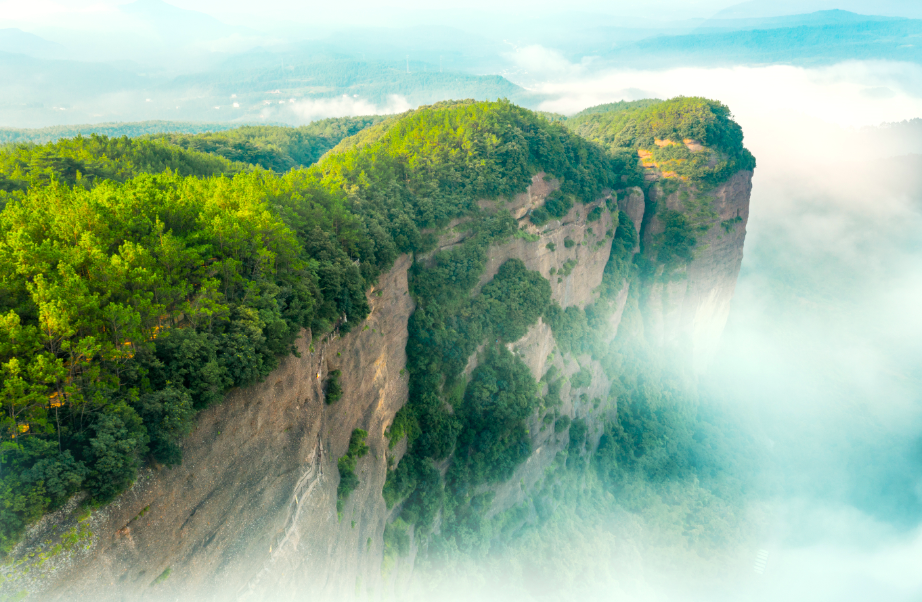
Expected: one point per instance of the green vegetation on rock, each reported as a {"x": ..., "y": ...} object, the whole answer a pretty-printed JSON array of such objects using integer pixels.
[
  {"x": 348, "y": 480},
  {"x": 494, "y": 439},
  {"x": 444, "y": 332},
  {"x": 396, "y": 539},
  {"x": 332, "y": 390},
  {"x": 555, "y": 206}
]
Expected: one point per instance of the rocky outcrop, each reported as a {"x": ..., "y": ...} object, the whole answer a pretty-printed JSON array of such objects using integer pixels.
[
  {"x": 632, "y": 202},
  {"x": 570, "y": 252},
  {"x": 549, "y": 255},
  {"x": 689, "y": 307}
]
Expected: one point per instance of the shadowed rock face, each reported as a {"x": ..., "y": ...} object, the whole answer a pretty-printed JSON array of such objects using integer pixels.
[{"x": 251, "y": 512}]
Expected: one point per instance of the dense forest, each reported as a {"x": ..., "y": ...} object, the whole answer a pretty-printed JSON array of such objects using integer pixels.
[
  {"x": 112, "y": 130},
  {"x": 84, "y": 162},
  {"x": 101, "y": 157},
  {"x": 140, "y": 279},
  {"x": 274, "y": 148}
]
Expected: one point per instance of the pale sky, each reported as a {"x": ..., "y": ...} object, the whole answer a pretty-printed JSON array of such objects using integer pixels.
[
  {"x": 295, "y": 19},
  {"x": 293, "y": 15},
  {"x": 654, "y": 9},
  {"x": 469, "y": 14}
]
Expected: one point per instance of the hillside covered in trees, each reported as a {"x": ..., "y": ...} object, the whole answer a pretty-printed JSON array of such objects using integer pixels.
[
  {"x": 112, "y": 130},
  {"x": 141, "y": 279},
  {"x": 121, "y": 151},
  {"x": 274, "y": 148}
]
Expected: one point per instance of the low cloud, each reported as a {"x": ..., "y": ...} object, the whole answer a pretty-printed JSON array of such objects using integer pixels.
[
  {"x": 855, "y": 558},
  {"x": 346, "y": 106},
  {"x": 822, "y": 345},
  {"x": 849, "y": 94},
  {"x": 534, "y": 63},
  {"x": 538, "y": 60}
]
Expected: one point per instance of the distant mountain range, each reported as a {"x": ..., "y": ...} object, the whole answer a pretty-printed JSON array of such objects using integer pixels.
[
  {"x": 41, "y": 91},
  {"x": 17, "y": 41},
  {"x": 822, "y": 18},
  {"x": 176, "y": 64},
  {"x": 818, "y": 38},
  {"x": 757, "y": 9}
]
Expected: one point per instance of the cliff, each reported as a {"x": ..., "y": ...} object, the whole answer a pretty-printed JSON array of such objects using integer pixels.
[
  {"x": 688, "y": 307},
  {"x": 252, "y": 509},
  {"x": 251, "y": 513}
]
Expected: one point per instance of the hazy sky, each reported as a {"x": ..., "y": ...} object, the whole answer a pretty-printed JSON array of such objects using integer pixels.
[
  {"x": 353, "y": 9},
  {"x": 269, "y": 13}
]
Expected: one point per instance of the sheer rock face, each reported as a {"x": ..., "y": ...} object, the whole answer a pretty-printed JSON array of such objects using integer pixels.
[
  {"x": 690, "y": 309},
  {"x": 578, "y": 288},
  {"x": 588, "y": 251},
  {"x": 632, "y": 203},
  {"x": 251, "y": 512}
]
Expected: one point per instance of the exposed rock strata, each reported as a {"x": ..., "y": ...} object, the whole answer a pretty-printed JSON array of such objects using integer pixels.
[{"x": 590, "y": 248}]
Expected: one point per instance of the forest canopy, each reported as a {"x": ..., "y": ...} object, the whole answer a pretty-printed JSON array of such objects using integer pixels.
[
  {"x": 110, "y": 130},
  {"x": 275, "y": 148},
  {"x": 630, "y": 126}
]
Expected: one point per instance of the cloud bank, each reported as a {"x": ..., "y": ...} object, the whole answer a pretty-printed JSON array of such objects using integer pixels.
[{"x": 346, "y": 106}]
